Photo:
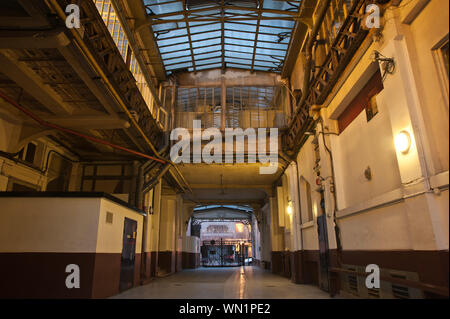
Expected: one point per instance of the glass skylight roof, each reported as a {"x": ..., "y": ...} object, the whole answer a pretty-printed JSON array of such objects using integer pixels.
[
  {"x": 236, "y": 207},
  {"x": 196, "y": 35}
]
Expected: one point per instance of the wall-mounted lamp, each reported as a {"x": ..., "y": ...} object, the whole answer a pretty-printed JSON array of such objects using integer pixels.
[
  {"x": 403, "y": 142},
  {"x": 289, "y": 208}
]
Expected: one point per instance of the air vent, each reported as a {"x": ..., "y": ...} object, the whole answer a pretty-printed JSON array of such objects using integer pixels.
[
  {"x": 399, "y": 291},
  {"x": 353, "y": 284},
  {"x": 109, "y": 217},
  {"x": 373, "y": 293},
  {"x": 352, "y": 281}
]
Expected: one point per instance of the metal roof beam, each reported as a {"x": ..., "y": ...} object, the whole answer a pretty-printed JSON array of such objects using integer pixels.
[
  {"x": 219, "y": 8},
  {"x": 261, "y": 3},
  {"x": 220, "y": 19}
]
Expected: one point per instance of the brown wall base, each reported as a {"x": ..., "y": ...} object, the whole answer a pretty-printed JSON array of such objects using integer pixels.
[
  {"x": 146, "y": 263},
  {"x": 153, "y": 264},
  {"x": 431, "y": 266},
  {"x": 276, "y": 265},
  {"x": 178, "y": 261},
  {"x": 281, "y": 263},
  {"x": 305, "y": 267},
  {"x": 42, "y": 275},
  {"x": 106, "y": 275},
  {"x": 137, "y": 270},
  {"x": 166, "y": 262},
  {"x": 267, "y": 265},
  {"x": 190, "y": 260}
]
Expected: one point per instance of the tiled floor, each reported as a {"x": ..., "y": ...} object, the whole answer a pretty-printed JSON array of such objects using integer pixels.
[{"x": 230, "y": 283}]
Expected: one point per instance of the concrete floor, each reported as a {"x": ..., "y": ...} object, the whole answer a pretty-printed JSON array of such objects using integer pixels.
[{"x": 228, "y": 283}]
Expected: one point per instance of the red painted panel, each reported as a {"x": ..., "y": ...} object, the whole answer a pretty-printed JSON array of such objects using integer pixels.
[{"x": 361, "y": 101}]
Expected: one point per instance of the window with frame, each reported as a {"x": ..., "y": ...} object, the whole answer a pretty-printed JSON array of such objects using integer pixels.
[
  {"x": 203, "y": 103},
  {"x": 198, "y": 99},
  {"x": 28, "y": 153},
  {"x": 441, "y": 58}
]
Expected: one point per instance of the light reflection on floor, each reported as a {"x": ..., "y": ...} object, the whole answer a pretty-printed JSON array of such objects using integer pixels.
[{"x": 229, "y": 283}]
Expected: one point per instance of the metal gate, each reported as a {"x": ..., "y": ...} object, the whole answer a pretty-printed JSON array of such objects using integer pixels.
[{"x": 220, "y": 253}]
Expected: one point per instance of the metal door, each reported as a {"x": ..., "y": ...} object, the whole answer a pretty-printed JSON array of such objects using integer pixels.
[
  {"x": 128, "y": 254},
  {"x": 323, "y": 252}
]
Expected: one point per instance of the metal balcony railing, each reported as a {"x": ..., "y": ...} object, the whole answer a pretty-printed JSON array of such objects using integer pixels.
[
  {"x": 340, "y": 34},
  {"x": 112, "y": 22},
  {"x": 243, "y": 119}
]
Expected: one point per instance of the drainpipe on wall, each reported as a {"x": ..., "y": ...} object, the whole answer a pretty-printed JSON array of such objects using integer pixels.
[
  {"x": 335, "y": 205},
  {"x": 301, "y": 223}
]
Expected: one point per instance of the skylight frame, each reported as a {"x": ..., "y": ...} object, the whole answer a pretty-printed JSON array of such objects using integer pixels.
[{"x": 269, "y": 26}]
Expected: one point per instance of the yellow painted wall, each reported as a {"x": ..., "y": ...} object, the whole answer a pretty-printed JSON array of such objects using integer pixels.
[
  {"x": 71, "y": 225},
  {"x": 48, "y": 224},
  {"x": 423, "y": 35},
  {"x": 110, "y": 236},
  {"x": 167, "y": 236},
  {"x": 9, "y": 133},
  {"x": 394, "y": 210}
]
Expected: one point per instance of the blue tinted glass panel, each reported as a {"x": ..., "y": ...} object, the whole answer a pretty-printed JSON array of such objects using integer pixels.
[{"x": 198, "y": 44}]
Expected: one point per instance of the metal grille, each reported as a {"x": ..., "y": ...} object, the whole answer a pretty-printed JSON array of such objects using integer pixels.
[
  {"x": 222, "y": 253},
  {"x": 114, "y": 26},
  {"x": 198, "y": 99},
  {"x": 249, "y": 106},
  {"x": 202, "y": 103},
  {"x": 250, "y": 98},
  {"x": 352, "y": 282},
  {"x": 374, "y": 293},
  {"x": 245, "y": 106},
  {"x": 399, "y": 291},
  {"x": 109, "y": 217}
]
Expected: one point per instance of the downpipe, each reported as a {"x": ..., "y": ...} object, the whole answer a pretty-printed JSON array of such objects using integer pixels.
[{"x": 337, "y": 230}]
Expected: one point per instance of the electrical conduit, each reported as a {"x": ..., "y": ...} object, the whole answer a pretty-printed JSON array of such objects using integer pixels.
[{"x": 69, "y": 131}]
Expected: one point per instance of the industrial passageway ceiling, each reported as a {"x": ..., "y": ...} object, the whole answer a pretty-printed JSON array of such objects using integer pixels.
[{"x": 196, "y": 35}]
